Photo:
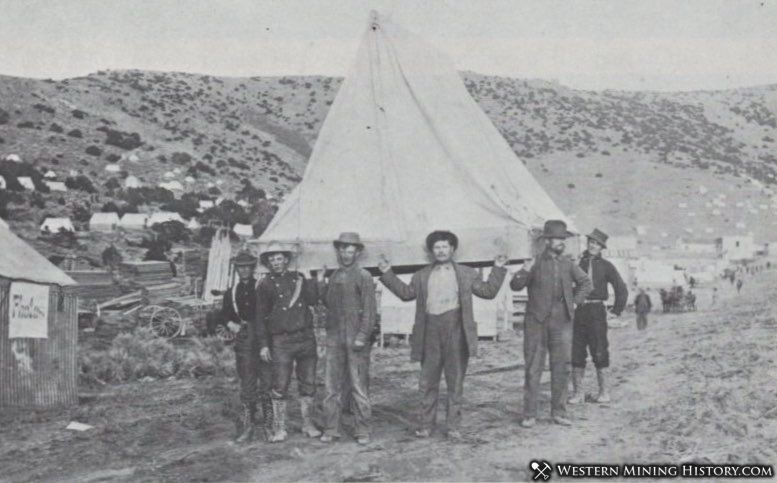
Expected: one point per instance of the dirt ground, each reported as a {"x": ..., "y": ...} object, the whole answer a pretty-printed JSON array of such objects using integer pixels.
[{"x": 693, "y": 387}]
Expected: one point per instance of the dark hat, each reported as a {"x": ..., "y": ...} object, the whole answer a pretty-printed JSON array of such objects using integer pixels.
[
  {"x": 244, "y": 257},
  {"x": 599, "y": 237},
  {"x": 349, "y": 238},
  {"x": 440, "y": 235},
  {"x": 556, "y": 229},
  {"x": 273, "y": 248}
]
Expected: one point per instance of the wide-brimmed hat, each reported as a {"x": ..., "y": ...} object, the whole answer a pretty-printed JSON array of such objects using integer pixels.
[
  {"x": 440, "y": 235},
  {"x": 273, "y": 248},
  {"x": 599, "y": 237},
  {"x": 556, "y": 229},
  {"x": 348, "y": 238},
  {"x": 244, "y": 257}
]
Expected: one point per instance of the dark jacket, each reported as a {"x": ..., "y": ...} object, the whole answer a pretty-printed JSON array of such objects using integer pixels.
[
  {"x": 575, "y": 285},
  {"x": 274, "y": 312},
  {"x": 605, "y": 274},
  {"x": 244, "y": 309},
  {"x": 469, "y": 283},
  {"x": 350, "y": 299},
  {"x": 642, "y": 303}
]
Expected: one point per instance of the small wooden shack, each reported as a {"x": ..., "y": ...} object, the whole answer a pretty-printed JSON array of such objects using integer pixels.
[{"x": 38, "y": 328}]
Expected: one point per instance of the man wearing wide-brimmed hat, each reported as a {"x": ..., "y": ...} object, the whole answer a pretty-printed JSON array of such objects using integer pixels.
[
  {"x": 285, "y": 336},
  {"x": 555, "y": 284},
  {"x": 590, "y": 326},
  {"x": 351, "y": 314},
  {"x": 239, "y": 310},
  {"x": 444, "y": 333}
]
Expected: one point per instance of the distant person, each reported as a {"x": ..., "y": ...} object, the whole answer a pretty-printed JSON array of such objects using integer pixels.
[
  {"x": 714, "y": 297},
  {"x": 444, "y": 332},
  {"x": 555, "y": 283},
  {"x": 642, "y": 306},
  {"x": 589, "y": 333},
  {"x": 739, "y": 285}
]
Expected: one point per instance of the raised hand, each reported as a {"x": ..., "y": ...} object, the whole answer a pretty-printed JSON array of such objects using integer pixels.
[
  {"x": 384, "y": 265},
  {"x": 264, "y": 354},
  {"x": 321, "y": 274},
  {"x": 527, "y": 264}
]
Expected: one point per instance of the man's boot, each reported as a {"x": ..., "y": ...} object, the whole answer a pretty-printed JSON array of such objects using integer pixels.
[
  {"x": 267, "y": 419},
  {"x": 278, "y": 421},
  {"x": 604, "y": 393},
  {"x": 246, "y": 423},
  {"x": 578, "y": 374},
  {"x": 306, "y": 408}
]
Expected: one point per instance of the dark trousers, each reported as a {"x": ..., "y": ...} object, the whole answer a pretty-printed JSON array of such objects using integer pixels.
[
  {"x": 445, "y": 351},
  {"x": 642, "y": 321},
  {"x": 552, "y": 336},
  {"x": 294, "y": 353},
  {"x": 255, "y": 375},
  {"x": 346, "y": 368},
  {"x": 590, "y": 335}
]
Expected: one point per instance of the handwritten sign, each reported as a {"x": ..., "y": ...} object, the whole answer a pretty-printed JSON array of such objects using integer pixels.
[{"x": 28, "y": 311}]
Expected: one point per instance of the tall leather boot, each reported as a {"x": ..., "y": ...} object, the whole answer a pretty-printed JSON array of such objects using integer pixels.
[
  {"x": 278, "y": 421},
  {"x": 267, "y": 417},
  {"x": 247, "y": 424},
  {"x": 577, "y": 397},
  {"x": 604, "y": 393},
  {"x": 306, "y": 408}
]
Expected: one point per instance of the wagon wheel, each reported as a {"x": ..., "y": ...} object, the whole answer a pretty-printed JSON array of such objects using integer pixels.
[
  {"x": 166, "y": 322},
  {"x": 223, "y": 333},
  {"x": 145, "y": 313}
]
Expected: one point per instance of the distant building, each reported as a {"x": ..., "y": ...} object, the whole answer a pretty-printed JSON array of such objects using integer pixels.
[
  {"x": 621, "y": 246},
  {"x": 736, "y": 247},
  {"x": 104, "y": 222},
  {"x": 701, "y": 246},
  {"x": 133, "y": 221},
  {"x": 56, "y": 186},
  {"x": 26, "y": 183},
  {"x": 112, "y": 168},
  {"x": 55, "y": 225},
  {"x": 164, "y": 216}
]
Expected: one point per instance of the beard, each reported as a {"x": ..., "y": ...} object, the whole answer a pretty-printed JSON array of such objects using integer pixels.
[{"x": 559, "y": 249}]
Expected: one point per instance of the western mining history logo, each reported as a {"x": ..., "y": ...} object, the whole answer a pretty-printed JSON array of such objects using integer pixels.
[{"x": 543, "y": 470}]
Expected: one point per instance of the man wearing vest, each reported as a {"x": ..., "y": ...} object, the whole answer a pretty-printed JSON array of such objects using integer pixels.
[
  {"x": 239, "y": 310},
  {"x": 351, "y": 314},
  {"x": 590, "y": 327},
  {"x": 285, "y": 335},
  {"x": 555, "y": 284},
  {"x": 444, "y": 334}
]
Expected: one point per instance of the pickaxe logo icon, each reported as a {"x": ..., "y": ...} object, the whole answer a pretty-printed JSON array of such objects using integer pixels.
[{"x": 541, "y": 469}]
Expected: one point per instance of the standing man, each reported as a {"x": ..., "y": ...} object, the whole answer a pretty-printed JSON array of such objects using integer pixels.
[
  {"x": 239, "y": 310},
  {"x": 285, "y": 334},
  {"x": 589, "y": 333},
  {"x": 351, "y": 314},
  {"x": 642, "y": 306},
  {"x": 555, "y": 284},
  {"x": 444, "y": 332}
]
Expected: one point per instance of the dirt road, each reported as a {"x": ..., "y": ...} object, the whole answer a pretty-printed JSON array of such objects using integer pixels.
[{"x": 699, "y": 386}]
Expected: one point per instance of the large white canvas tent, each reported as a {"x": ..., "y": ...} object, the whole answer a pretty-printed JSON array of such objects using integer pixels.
[
  {"x": 104, "y": 221},
  {"x": 405, "y": 150},
  {"x": 54, "y": 225}
]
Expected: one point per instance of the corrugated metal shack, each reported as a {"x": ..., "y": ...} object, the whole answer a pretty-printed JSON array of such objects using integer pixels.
[{"x": 38, "y": 328}]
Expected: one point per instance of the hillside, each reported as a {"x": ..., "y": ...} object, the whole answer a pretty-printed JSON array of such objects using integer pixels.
[{"x": 696, "y": 164}]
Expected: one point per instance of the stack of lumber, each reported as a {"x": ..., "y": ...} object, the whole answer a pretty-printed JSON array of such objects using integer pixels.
[
  {"x": 163, "y": 291},
  {"x": 146, "y": 272},
  {"x": 189, "y": 261},
  {"x": 94, "y": 285}
]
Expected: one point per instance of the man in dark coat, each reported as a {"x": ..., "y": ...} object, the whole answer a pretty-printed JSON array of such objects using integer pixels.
[
  {"x": 444, "y": 333},
  {"x": 590, "y": 326},
  {"x": 555, "y": 283},
  {"x": 351, "y": 315},
  {"x": 285, "y": 335},
  {"x": 239, "y": 311},
  {"x": 642, "y": 306}
]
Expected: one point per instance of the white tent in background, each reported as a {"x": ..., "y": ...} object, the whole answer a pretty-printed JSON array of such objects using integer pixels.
[
  {"x": 174, "y": 185},
  {"x": 168, "y": 175},
  {"x": 112, "y": 168},
  {"x": 132, "y": 182},
  {"x": 2, "y": 183},
  {"x": 13, "y": 158},
  {"x": 163, "y": 216},
  {"x": 418, "y": 154},
  {"x": 205, "y": 205},
  {"x": 26, "y": 183},
  {"x": 193, "y": 224},
  {"x": 133, "y": 221},
  {"x": 56, "y": 186},
  {"x": 177, "y": 171},
  {"x": 50, "y": 175},
  {"x": 54, "y": 225},
  {"x": 104, "y": 221},
  {"x": 189, "y": 179},
  {"x": 133, "y": 158},
  {"x": 244, "y": 231}
]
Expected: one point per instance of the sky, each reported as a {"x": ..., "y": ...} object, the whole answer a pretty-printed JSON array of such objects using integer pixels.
[{"x": 615, "y": 44}]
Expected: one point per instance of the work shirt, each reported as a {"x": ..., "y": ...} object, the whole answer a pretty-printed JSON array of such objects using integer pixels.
[
  {"x": 244, "y": 293},
  {"x": 603, "y": 273},
  {"x": 275, "y": 312},
  {"x": 443, "y": 289},
  {"x": 351, "y": 305}
]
